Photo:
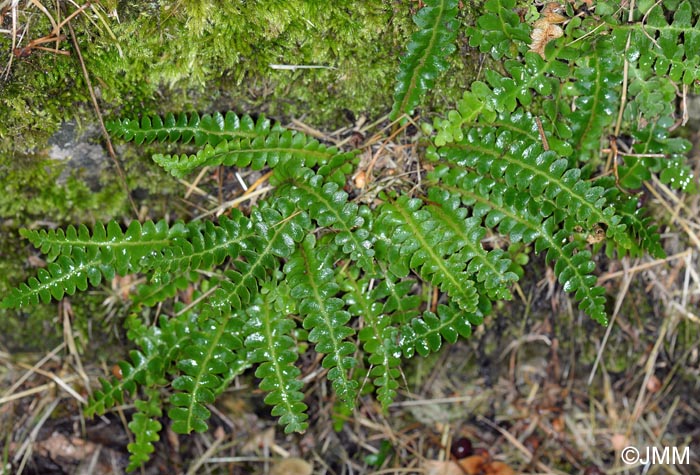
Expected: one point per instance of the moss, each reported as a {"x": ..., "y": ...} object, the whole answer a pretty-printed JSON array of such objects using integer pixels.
[{"x": 172, "y": 55}]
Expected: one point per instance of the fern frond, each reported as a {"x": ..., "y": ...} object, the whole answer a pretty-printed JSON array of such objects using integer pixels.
[
  {"x": 61, "y": 277},
  {"x": 276, "y": 234},
  {"x": 426, "y": 54},
  {"x": 675, "y": 47},
  {"x": 595, "y": 87},
  {"x": 164, "y": 287},
  {"x": 527, "y": 167},
  {"x": 520, "y": 217},
  {"x": 658, "y": 153},
  {"x": 208, "y": 355},
  {"x": 310, "y": 276},
  {"x": 398, "y": 300},
  {"x": 503, "y": 94},
  {"x": 328, "y": 205},
  {"x": 265, "y": 150},
  {"x": 643, "y": 233},
  {"x": 207, "y": 129},
  {"x": 145, "y": 427},
  {"x": 147, "y": 367},
  {"x": 418, "y": 240},
  {"x": 269, "y": 343},
  {"x": 122, "y": 249},
  {"x": 492, "y": 268},
  {"x": 378, "y": 336}
]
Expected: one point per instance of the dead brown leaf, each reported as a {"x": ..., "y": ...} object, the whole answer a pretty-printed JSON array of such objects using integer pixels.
[{"x": 547, "y": 28}]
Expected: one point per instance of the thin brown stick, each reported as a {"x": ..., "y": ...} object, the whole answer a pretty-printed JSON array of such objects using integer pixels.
[
  {"x": 543, "y": 137},
  {"x": 108, "y": 141}
]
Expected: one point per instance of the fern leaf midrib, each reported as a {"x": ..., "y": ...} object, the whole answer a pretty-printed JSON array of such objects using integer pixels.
[
  {"x": 227, "y": 135},
  {"x": 505, "y": 125},
  {"x": 111, "y": 243},
  {"x": 318, "y": 154},
  {"x": 170, "y": 261}
]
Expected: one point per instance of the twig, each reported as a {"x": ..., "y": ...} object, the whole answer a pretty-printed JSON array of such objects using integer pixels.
[
  {"x": 618, "y": 305},
  {"x": 646, "y": 265},
  {"x": 543, "y": 137},
  {"x": 294, "y": 67},
  {"x": 644, "y": 20}
]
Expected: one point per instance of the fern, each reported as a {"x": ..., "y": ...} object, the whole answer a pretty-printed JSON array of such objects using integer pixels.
[
  {"x": 424, "y": 335},
  {"x": 270, "y": 345},
  {"x": 522, "y": 156},
  {"x": 145, "y": 427},
  {"x": 499, "y": 31},
  {"x": 207, "y": 129},
  {"x": 378, "y": 336},
  {"x": 426, "y": 55},
  {"x": 311, "y": 280},
  {"x": 208, "y": 355}
]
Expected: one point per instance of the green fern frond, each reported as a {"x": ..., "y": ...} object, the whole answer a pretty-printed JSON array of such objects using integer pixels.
[
  {"x": 147, "y": 368},
  {"x": 208, "y": 355},
  {"x": 666, "y": 49},
  {"x": 269, "y": 344},
  {"x": 130, "y": 246},
  {"x": 426, "y": 54},
  {"x": 527, "y": 167},
  {"x": 504, "y": 94},
  {"x": 61, "y": 277},
  {"x": 164, "y": 287},
  {"x": 310, "y": 277},
  {"x": 657, "y": 153},
  {"x": 145, "y": 427},
  {"x": 276, "y": 234},
  {"x": 378, "y": 336},
  {"x": 595, "y": 87},
  {"x": 520, "y": 217},
  {"x": 419, "y": 240},
  {"x": 492, "y": 268},
  {"x": 328, "y": 205},
  {"x": 207, "y": 129},
  {"x": 398, "y": 301},
  {"x": 264, "y": 150},
  {"x": 644, "y": 236}
]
